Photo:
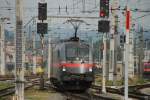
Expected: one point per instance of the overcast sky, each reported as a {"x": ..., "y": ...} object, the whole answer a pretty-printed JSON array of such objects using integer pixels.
[{"x": 75, "y": 8}]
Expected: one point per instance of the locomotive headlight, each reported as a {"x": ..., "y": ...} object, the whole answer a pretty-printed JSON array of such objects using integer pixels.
[
  {"x": 64, "y": 69},
  {"x": 90, "y": 69}
]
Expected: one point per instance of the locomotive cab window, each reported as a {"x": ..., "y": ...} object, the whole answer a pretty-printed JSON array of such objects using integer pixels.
[{"x": 77, "y": 53}]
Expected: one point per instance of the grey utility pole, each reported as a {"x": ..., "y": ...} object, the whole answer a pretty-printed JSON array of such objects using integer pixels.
[
  {"x": 34, "y": 52},
  {"x": 91, "y": 50},
  {"x": 49, "y": 56},
  {"x": 19, "y": 74},
  {"x": 2, "y": 48},
  {"x": 113, "y": 39},
  {"x": 141, "y": 52}
]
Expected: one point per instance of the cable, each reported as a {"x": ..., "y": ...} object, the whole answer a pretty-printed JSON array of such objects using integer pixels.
[
  {"x": 141, "y": 16},
  {"x": 7, "y": 2}
]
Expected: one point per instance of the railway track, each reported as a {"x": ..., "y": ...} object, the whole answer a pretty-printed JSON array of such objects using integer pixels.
[
  {"x": 96, "y": 94},
  {"x": 133, "y": 91},
  {"x": 7, "y": 91},
  {"x": 79, "y": 96},
  {"x": 11, "y": 90},
  {"x": 87, "y": 95},
  {"x": 4, "y": 78}
]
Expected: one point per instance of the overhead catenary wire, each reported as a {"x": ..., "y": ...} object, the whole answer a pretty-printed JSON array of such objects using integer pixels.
[{"x": 141, "y": 16}]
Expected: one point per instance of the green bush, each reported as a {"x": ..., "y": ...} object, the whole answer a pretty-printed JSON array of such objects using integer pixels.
[{"x": 141, "y": 81}]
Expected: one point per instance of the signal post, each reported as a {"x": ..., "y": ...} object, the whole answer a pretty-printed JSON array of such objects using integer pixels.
[
  {"x": 103, "y": 27},
  {"x": 126, "y": 47},
  {"x": 41, "y": 30},
  {"x": 2, "y": 48}
]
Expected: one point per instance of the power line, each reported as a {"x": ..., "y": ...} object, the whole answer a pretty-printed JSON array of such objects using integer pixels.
[
  {"x": 141, "y": 17},
  {"x": 7, "y": 2}
]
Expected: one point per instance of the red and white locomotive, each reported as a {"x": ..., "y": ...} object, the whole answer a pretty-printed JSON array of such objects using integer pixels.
[{"x": 72, "y": 66}]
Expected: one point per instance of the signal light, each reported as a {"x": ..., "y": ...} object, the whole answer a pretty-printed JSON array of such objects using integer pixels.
[
  {"x": 104, "y": 8},
  {"x": 42, "y": 11},
  {"x": 42, "y": 28},
  {"x": 122, "y": 39},
  {"x": 103, "y": 26},
  {"x": 102, "y": 14}
]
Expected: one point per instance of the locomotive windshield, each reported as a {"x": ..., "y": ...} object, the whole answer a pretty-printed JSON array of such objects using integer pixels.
[{"x": 77, "y": 53}]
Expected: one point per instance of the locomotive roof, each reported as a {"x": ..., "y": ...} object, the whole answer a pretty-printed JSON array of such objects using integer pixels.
[
  {"x": 71, "y": 41},
  {"x": 66, "y": 42}
]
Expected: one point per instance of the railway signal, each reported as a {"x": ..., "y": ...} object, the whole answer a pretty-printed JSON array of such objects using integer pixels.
[
  {"x": 42, "y": 11},
  {"x": 42, "y": 28},
  {"x": 122, "y": 39},
  {"x": 104, "y": 8},
  {"x": 103, "y": 26}
]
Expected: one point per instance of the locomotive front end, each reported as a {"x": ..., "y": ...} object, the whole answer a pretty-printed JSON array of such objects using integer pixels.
[{"x": 77, "y": 69}]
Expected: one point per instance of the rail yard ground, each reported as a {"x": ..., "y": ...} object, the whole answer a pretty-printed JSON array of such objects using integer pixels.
[
  {"x": 36, "y": 94},
  {"x": 146, "y": 91}
]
